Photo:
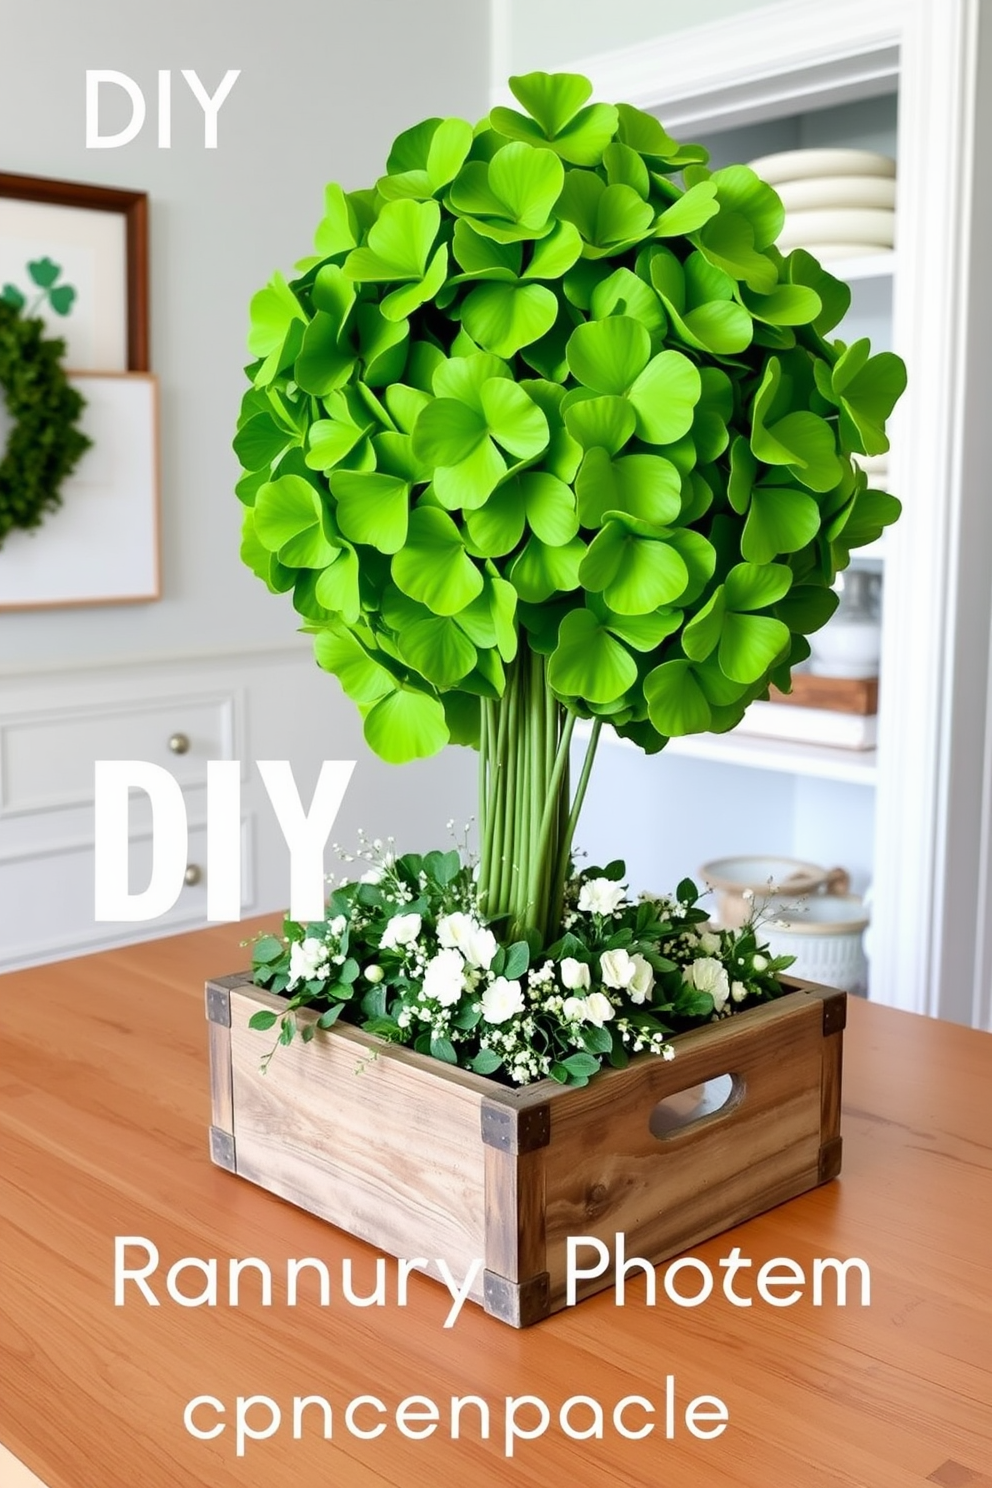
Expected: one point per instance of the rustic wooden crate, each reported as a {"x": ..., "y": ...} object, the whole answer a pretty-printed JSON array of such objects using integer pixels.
[{"x": 424, "y": 1160}]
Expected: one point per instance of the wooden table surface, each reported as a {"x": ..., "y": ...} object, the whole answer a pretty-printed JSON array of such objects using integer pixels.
[{"x": 104, "y": 1119}]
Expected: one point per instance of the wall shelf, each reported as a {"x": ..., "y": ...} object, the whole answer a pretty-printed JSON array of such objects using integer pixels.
[
  {"x": 865, "y": 266},
  {"x": 817, "y": 761}
]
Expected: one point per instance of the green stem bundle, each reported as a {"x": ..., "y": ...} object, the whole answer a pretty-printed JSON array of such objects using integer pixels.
[{"x": 527, "y": 814}]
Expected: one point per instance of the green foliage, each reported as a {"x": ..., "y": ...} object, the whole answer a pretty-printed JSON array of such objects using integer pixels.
[
  {"x": 405, "y": 953},
  {"x": 44, "y": 444},
  {"x": 551, "y": 384}
]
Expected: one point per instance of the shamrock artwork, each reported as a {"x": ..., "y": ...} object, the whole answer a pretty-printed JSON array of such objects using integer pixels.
[
  {"x": 546, "y": 428},
  {"x": 44, "y": 276}
]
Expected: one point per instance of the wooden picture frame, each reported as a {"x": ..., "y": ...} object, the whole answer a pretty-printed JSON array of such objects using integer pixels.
[
  {"x": 77, "y": 222},
  {"x": 101, "y": 546}
]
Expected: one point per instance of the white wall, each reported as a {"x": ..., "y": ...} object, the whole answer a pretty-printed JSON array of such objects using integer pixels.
[
  {"x": 325, "y": 85},
  {"x": 549, "y": 33}
]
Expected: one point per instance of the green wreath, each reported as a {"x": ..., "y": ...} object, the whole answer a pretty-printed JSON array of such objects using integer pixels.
[{"x": 45, "y": 443}]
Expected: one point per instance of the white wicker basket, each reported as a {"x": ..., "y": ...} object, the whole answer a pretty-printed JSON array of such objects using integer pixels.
[{"x": 826, "y": 937}]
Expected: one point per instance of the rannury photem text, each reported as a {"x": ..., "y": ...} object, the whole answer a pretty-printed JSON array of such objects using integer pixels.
[{"x": 141, "y": 1278}]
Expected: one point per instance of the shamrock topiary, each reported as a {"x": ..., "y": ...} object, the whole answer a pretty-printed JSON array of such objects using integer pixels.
[{"x": 548, "y": 428}]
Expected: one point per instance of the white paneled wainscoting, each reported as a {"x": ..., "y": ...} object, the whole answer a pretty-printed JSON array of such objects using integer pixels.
[{"x": 179, "y": 714}]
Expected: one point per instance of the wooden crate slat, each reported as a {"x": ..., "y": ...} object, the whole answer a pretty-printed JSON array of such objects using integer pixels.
[{"x": 424, "y": 1160}]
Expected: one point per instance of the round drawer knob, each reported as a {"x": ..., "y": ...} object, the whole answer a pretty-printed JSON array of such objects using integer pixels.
[
  {"x": 193, "y": 874},
  {"x": 179, "y": 743}
]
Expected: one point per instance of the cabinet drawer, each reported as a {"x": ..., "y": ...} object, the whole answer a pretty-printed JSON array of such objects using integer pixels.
[
  {"x": 46, "y": 757},
  {"x": 46, "y": 896}
]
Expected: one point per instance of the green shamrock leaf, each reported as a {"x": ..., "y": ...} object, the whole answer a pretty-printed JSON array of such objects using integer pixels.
[
  {"x": 800, "y": 440},
  {"x": 557, "y": 116},
  {"x": 609, "y": 218},
  {"x": 62, "y": 298},
  {"x": 433, "y": 566},
  {"x": 699, "y": 300},
  {"x": 589, "y": 662},
  {"x": 510, "y": 197},
  {"x": 632, "y": 565},
  {"x": 865, "y": 389},
  {"x": 44, "y": 272},
  {"x": 425, "y": 159},
  {"x": 406, "y": 725}
]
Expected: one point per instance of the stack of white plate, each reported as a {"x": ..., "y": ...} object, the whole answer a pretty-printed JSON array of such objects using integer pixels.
[{"x": 838, "y": 203}]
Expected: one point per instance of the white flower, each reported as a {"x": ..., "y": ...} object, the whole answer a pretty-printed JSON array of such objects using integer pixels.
[
  {"x": 709, "y": 943},
  {"x": 574, "y": 975},
  {"x": 760, "y": 963},
  {"x": 443, "y": 977},
  {"x": 600, "y": 896},
  {"x": 573, "y": 1009},
  {"x": 459, "y": 931},
  {"x": 738, "y": 991},
  {"x": 480, "y": 947},
  {"x": 599, "y": 1009},
  {"x": 502, "y": 1000},
  {"x": 402, "y": 930},
  {"x": 641, "y": 984},
  {"x": 371, "y": 876},
  {"x": 709, "y": 975},
  {"x": 307, "y": 960},
  {"x": 617, "y": 968},
  {"x": 374, "y": 974},
  {"x": 668, "y": 1052},
  {"x": 337, "y": 926},
  {"x": 451, "y": 929}
]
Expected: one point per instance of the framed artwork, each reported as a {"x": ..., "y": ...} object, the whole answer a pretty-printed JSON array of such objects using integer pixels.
[
  {"x": 101, "y": 545},
  {"x": 98, "y": 237},
  {"x": 76, "y": 257}
]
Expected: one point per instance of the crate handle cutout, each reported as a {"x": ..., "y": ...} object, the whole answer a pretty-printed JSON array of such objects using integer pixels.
[{"x": 673, "y": 1115}]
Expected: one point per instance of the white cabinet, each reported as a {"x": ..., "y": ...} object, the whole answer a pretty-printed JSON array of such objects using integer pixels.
[
  {"x": 916, "y": 816},
  {"x": 178, "y": 714}
]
